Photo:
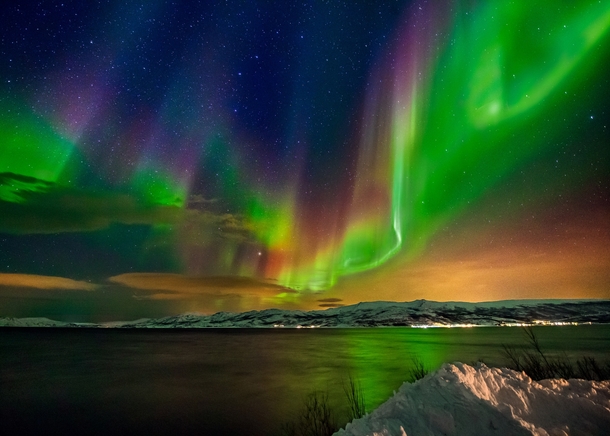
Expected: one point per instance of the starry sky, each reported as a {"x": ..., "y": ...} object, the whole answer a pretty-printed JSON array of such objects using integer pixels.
[{"x": 162, "y": 157}]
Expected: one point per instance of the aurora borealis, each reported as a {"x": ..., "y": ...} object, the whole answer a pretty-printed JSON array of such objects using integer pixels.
[{"x": 162, "y": 157}]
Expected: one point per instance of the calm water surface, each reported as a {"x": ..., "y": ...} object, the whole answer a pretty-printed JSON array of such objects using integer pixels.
[{"x": 217, "y": 382}]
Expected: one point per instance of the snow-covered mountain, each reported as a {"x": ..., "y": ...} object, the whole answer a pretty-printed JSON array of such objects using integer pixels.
[
  {"x": 385, "y": 314},
  {"x": 374, "y": 314},
  {"x": 40, "y": 322}
]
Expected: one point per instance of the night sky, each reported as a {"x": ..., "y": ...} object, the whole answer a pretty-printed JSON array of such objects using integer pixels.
[{"x": 162, "y": 157}]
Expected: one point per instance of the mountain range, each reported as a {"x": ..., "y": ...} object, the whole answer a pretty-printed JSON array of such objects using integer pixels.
[{"x": 418, "y": 313}]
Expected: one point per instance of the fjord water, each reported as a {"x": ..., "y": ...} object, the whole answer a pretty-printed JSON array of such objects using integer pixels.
[{"x": 216, "y": 382}]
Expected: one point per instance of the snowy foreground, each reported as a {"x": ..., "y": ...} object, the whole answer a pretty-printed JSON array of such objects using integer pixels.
[{"x": 462, "y": 400}]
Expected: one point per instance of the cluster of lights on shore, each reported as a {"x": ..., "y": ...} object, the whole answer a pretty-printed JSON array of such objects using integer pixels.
[
  {"x": 512, "y": 324},
  {"x": 439, "y": 325}
]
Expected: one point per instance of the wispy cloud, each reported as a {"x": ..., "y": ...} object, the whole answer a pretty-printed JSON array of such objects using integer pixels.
[
  {"x": 200, "y": 199},
  {"x": 45, "y": 282}
]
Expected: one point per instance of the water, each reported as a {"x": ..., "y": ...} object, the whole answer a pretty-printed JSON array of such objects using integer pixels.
[{"x": 217, "y": 382}]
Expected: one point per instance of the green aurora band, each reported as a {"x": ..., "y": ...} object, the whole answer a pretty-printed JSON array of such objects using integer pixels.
[
  {"x": 467, "y": 95},
  {"x": 449, "y": 117}
]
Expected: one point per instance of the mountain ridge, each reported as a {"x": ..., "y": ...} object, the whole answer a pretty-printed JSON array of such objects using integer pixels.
[{"x": 417, "y": 313}]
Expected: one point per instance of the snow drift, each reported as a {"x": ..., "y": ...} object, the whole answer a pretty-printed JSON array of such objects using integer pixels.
[{"x": 462, "y": 400}]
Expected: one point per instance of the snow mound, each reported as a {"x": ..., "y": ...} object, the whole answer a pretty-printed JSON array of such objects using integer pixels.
[{"x": 462, "y": 400}]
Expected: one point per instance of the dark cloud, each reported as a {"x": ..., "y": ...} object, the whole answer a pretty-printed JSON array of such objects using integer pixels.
[
  {"x": 329, "y": 300},
  {"x": 199, "y": 227},
  {"x": 105, "y": 303},
  {"x": 8, "y": 178},
  {"x": 14, "y": 186},
  {"x": 29, "y": 205},
  {"x": 132, "y": 296},
  {"x": 176, "y": 286}
]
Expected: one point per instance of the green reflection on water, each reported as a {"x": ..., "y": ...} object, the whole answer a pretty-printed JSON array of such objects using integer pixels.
[
  {"x": 204, "y": 379},
  {"x": 372, "y": 356},
  {"x": 381, "y": 359}
]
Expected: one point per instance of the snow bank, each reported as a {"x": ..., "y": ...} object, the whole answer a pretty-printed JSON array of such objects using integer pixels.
[{"x": 462, "y": 400}]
